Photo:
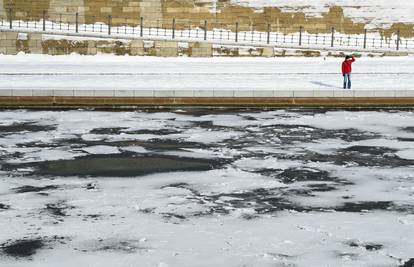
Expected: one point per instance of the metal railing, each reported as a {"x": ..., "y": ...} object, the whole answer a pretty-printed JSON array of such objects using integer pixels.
[{"x": 182, "y": 30}]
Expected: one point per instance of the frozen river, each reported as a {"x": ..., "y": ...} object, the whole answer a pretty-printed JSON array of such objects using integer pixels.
[{"x": 207, "y": 188}]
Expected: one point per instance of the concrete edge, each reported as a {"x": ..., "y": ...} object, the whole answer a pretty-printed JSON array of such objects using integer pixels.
[{"x": 325, "y": 93}]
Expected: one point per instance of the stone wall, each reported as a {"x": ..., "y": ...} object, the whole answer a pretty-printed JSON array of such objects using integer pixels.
[
  {"x": 12, "y": 43},
  {"x": 189, "y": 13}
]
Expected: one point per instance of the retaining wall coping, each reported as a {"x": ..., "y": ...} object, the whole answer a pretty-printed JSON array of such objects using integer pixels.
[{"x": 203, "y": 93}]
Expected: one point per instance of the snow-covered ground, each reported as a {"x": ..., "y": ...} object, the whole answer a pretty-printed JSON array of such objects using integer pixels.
[
  {"x": 206, "y": 188},
  {"x": 113, "y": 72},
  {"x": 375, "y": 12}
]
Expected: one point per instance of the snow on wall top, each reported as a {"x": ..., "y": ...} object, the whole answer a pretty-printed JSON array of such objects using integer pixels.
[{"x": 376, "y": 12}]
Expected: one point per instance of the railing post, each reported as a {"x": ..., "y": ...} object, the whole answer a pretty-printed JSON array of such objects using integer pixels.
[
  {"x": 173, "y": 28},
  {"x": 268, "y": 34},
  {"x": 109, "y": 24},
  {"x": 205, "y": 30},
  {"x": 44, "y": 20},
  {"x": 398, "y": 39},
  {"x": 141, "y": 26},
  {"x": 77, "y": 22},
  {"x": 11, "y": 18},
  {"x": 365, "y": 38},
  {"x": 332, "y": 37},
  {"x": 237, "y": 32},
  {"x": 300, "y": 35}
]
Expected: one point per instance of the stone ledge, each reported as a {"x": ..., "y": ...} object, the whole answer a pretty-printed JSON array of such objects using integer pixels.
[
  {"x": 131, "y": 102},
  {"x": 203, "y": 93}
]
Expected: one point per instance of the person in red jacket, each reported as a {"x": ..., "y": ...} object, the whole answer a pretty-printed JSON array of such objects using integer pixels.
[{"x": 346, "y": 70}]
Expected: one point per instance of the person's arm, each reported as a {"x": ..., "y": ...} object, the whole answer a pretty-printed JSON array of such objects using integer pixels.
[{"x": 353, "y": 59}]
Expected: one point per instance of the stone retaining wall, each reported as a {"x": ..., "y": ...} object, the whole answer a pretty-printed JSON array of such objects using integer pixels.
[
  {"x": 190, "y": 13},
  {"x": 12, "y": 42},
  {"x": 99, "y": 101}
]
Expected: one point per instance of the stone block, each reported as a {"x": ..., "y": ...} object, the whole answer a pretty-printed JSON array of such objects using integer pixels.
[
  {"x": 103, "y": 93},
  {"x": 302, "y": 93},
  {"x": 323, "y": 93},
  {"x": 184, "y": 93},
  {"x": 106, "y": 9},
  {"x": 404, "y": 93},
  {"x": 137, "y": 43},
  {"x": 198, "y": 49},
  {"x": 5, "y": 92},
  {"x": 35, "y": 46},
  {"x": 268, "y": 52},
  {"x": 223, "y": 93},
  {"x": 11, "y": 50},
  {"x": 63, "y": 92},
  {"x": 384, "y": 93},
  {"x": 364, "y": 93},
  {"x": 263, "y": 93},
  {"x": 124, "y": 93},
  {"x": 243, "y": 93},
  {"x": 22, "y": 92},
  {"x": 163, "y": 93},
  {"x": 203, "y": 93},
  {"x": 283, "y": 93},
  {"x": 42, "y": 92},
  {"x": 11, "y": 35},
  {"x": 143, "y": 93},
  {"x": 166, "y": 52},
  {"x": 84, "y": 93},
  {"x": 343, "y": 93}
]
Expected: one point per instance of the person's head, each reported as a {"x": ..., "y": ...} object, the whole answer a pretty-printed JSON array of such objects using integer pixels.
[{"x": 347, "y": 57}]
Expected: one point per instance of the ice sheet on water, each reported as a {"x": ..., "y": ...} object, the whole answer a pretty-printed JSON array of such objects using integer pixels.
[
  {"x": 406, "y": 154},
  {"x": 101, "y": 150},
  {"x": 290, "y": 189}
]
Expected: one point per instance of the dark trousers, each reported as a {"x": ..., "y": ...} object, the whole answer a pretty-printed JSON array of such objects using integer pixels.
[{"x": 347, "y": 80}]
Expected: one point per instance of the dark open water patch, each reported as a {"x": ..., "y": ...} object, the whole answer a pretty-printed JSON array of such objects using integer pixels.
[
  {"x": 409, "y": 263},
  {"x": 292, "y": 175},
  {"x": 113, "y": 130},
  {"x": 168, "y": 144},
  {"x": 58, "y": 209},
  {"x": 113, "y": 245},
  {"x": 292, "y": 133},
  {"x": 409, "y": 129},
  {"x": 154, "y": 132},
  {"x": 27, "y": 247},
  {"x": 29, "y": 188},
  {"x": 374, "y": 205},
  {"x": 365, "y": 206},
  {"x": 366, "y": 245},
  {"x": 25, "y": 127},
  {"x": 381, "y": 158},
  {"x": 119, "y": 165},
  {"x": 320, "y": 187},
  {"x": 4, "y": 206},
  {"x": 371, "y": 150},
  {"x": 272, "y": 200},
  {"x": 22, "y": 248}
]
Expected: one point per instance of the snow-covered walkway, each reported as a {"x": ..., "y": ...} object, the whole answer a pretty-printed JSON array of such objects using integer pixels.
[{"x": 112, "y": 72}]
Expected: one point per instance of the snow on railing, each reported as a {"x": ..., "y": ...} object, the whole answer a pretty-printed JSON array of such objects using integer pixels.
[{"x": 168, "y": 30}]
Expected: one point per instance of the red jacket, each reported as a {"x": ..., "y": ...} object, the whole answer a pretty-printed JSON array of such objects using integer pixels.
[{"x": 347, "y": 65}]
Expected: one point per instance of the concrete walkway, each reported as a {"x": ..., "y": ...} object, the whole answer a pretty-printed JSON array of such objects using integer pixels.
[
  {"x": 78, "y": 81},
  {"x": 212, "y": 74}
]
